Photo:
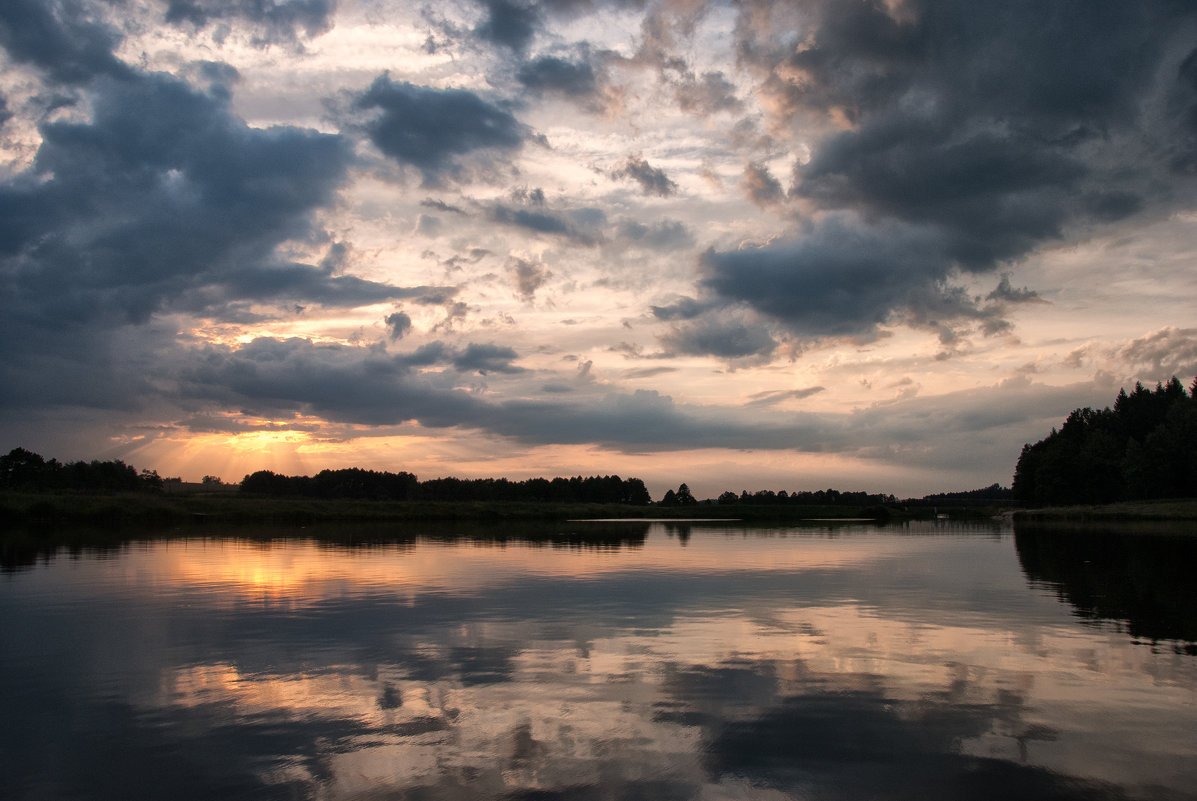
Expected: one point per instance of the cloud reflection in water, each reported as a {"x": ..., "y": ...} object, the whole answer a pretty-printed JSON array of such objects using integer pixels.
[{"x": 844, "y": 665}]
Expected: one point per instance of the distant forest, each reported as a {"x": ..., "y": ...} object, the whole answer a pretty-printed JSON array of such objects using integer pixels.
[
  {"x": 371, "y": 484},
  {"x": 22, "y": 470},
  {"x": 357, "y": 483},
  {"x": 1145, "y": 447}
]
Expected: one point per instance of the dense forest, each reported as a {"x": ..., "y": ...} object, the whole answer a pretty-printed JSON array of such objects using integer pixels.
[
  {"x": 27, "y": 471},
  {"x": 1145, "y": 447},
  {"x": 357, "y": 483}
]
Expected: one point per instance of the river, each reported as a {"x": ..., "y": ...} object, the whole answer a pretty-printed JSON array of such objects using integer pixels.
[{"x": 603, "y": 661}]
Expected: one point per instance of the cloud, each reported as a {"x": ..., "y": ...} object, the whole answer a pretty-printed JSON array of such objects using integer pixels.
[
  {"x": 579, "y": 225},
  {"x": 511, "y": 25},
  {"x": 1006, "y": 293},
  {"x": 762, "y": 188},
  {"x": 683, "y": 308},
  {"x": 724, "y": 338},
  {"x": 164, "y": 199},
  {"x": 63, "y": 39},
  {"x": 652, "y": 180},
  {"x": 398, "y": 324},
  {"x": 845, "y": 277},
  {"x": 487, "y": 358},
  {"x": 161, "y": 202},
  {"x": 550, "y": 74},
  {"x": 994, "y": 195},
  {"x": 428, "y": 225},
  {"x": 529, "y": 277},
  {"x": 648, "y": 372},
  {"x": 947, "y": 162},
  {"x": 346, "y": 384},
  {"x": 774, "y": 396},
  {"x": 441, "y": 205},
  {"x": 436, "y": 130},
  {"x": 706, "y": 95},
  {"x": 1164, "y": 353},
  {"x": 273, "y": 21},
  {"x": 663, "y": 235}
]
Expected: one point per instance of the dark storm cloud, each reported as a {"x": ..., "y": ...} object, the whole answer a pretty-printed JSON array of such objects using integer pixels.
[
  {"x": 434, "y": 130},
  {"x": 337, "y": 382},
  {"x": 276, "y": 21},
  {"x": 488, "y": 358},
  {"x": 165, "y": 199},
  {"x": 62, "y": 38},
  {"x": 1183, "y": 105},
  {"x": 369, "y": 386},
  {"x": 652, "y": 180},
  {"x": 972, "y": 138},
  {"x": 994, "y": 196},
  {"x": 843, "y": 278},
  {"x": 509, "y": 24},
  {"x": 303, "y": 282},
  {"x": 725, "y": 339},
  {"x": 682, "y": 309},
  {"x": 162, "y": 201},
  {"x": 551, "y": 74}
]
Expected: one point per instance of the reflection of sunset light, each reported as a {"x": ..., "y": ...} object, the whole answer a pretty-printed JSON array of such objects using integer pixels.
[
  {"x": 302, "y": 572},
  {"x": 418, "y": 666},
  {"x": 589, "y": 703}
]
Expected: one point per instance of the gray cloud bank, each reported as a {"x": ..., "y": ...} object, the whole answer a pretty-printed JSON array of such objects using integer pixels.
[{"x": 976, "y": 135}]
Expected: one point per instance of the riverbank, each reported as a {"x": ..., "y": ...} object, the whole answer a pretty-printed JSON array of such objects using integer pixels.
[
  {"x": 138, "y": 509},
  {"x": 1178, "y": 510}
]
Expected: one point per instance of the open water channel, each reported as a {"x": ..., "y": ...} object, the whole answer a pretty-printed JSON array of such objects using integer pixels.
[{"x": 616, "y": 661}]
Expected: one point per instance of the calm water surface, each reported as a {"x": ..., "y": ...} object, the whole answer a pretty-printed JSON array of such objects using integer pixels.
[{"x": 668, "y": 662}]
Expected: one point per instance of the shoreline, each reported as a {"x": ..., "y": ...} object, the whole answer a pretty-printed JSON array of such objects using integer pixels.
[
  {"x": 50, "y": 510},
  {"x": 1168, "y": 510}
]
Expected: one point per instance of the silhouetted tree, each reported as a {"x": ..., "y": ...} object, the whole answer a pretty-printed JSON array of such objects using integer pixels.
[
  {"x": 1141, "y": 448},
  {"x": 22, "y": 469}
]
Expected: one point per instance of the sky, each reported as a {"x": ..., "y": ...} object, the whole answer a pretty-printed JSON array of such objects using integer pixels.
[{"x": 743, "y": 245}]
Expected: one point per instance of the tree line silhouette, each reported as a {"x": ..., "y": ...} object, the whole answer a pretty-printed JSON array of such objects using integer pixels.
[
  {"x": 24, "y": 470},
  {"x": 379, "y": 485},
  {"x": 827, "y": 497},
  {"x": 1145, "y": 447}
]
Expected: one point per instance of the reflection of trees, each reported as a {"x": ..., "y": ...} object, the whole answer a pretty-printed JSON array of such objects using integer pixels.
[
  {"x": 1142, "y": 580},
  {"x": 19, "y": 553}
]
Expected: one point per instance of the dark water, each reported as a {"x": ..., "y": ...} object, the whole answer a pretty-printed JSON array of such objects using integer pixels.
[{"x": 662, "y": 663}]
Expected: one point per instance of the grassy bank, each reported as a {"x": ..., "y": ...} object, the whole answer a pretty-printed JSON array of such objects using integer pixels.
[
  {"x": 1164, "y": 510},
  {"x": 134, "y": 509}
]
